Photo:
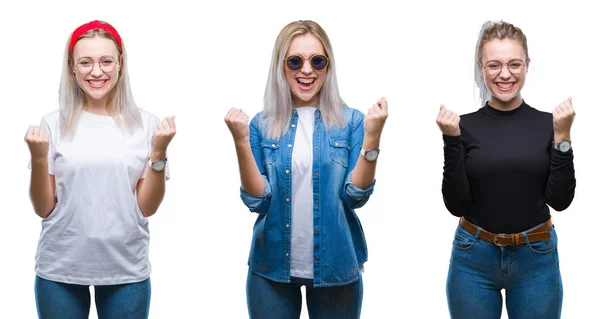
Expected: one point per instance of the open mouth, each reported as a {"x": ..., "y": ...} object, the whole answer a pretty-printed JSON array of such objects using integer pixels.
[
  {"x": 97, "y": 84},
  {"x": 305, "y": 84},
  {"x": 505, "y": 86}
]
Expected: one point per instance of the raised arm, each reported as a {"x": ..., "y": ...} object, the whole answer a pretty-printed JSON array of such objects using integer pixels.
[
  {"x": 151, "y": 189},
  {"x": 255, "y": 190},
  {"x": 363, "y": 174},
  {"x": 455, "y": 185},
  {"x": 560, "y": 189},
  {"x": 41, "y": 188}
]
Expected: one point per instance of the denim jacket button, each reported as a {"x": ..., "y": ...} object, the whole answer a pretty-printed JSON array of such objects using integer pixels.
[
  {"x": 287, "y": 171},
  {"x": 287, "y": 254},
  {"x": 316, "y": 147},
  {"x": 289, "y": 145},
  {"x": 273, "y": 145},
  {"x": 287, "y": 199},
  {"x": 287, "y": 225},
  {"x": 317, "y": 201},
  {"x": 317, "y": 257},
  {"x": 317, "y": 229},
  {"x": 293, "y": 125},
  {"x": 317, "y": 174}
]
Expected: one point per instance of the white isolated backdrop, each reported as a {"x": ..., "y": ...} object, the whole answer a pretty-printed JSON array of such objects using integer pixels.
[{"x": 195, "y": 60}]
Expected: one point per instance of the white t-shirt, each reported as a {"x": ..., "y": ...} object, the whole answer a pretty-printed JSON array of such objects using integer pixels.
[
  {"x": 302, "y": 195},
  {"x": 96, "y": 234}
]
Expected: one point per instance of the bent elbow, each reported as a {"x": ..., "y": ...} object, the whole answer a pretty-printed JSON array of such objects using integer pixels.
[
  {"x": 561, "y": 206},
  {"x": 457, "y": 209},
  {"x": 44, "y": 212}
]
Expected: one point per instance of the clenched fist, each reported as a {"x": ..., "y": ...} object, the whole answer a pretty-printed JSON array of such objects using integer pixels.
[
  {"x": 562, "y": 118},
  {"x": 448, "y": 122},
  {"x": 38, "y": 141},
  {"x": 237, "y": 122},
  {"x": 163, "y": 134},
  {"x": 375, "y": 118}
]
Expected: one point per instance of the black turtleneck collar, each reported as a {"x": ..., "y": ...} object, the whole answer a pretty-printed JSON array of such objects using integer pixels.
[{"x": 506, "y": 115}]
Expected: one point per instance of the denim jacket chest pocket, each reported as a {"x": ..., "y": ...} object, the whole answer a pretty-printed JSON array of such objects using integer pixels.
[
  {"x": 339, "y": 148},
  {"x": 269, "y": 151}
]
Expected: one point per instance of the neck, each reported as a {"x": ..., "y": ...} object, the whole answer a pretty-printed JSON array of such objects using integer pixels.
[
  {"x": 506, "y": 106},
  {"x": 99, "y": 107},
  {"x": 299, "y": 103}
]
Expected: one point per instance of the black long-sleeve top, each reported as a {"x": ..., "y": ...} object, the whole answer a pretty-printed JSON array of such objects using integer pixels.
[{"x": 502, "y": 172}]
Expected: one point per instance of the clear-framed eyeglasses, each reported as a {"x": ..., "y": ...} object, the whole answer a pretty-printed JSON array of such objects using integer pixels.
[
  {"x": 493, "y": 68},
  {"x": 106, "y": 64}
]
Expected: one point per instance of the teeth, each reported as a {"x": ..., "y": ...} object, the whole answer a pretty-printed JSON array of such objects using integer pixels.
[
  {"x": 505, "y": 85},
  {"x": 97, "y": 83},
  {"x": 306, "y": 81}
]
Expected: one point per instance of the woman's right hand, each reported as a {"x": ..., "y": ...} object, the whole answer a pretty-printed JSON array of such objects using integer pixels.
[
  {"x": 38, "y": 142},
  {"x": 237, "y": 122},
  {"x": 448, "y": 122}
]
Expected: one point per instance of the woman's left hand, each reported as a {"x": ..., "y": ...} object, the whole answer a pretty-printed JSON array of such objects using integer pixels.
[
  {"x": 375, "y": 118},
  {"x": 163, "y": 134},
  {"x": 563, "y": 117}
]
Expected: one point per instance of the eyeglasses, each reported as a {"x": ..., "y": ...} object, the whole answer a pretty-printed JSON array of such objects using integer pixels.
[
  {"x": 494, "y": 68},
  {"x": 106, "y": 63},
  {"x": 318, "y": 62}
]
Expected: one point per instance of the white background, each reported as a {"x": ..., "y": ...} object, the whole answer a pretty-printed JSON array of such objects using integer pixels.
[{"x": 197, "y": 61}]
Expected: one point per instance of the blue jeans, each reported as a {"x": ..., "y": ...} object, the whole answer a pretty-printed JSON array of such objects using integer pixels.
[
  {"x": 268, "y": 299},
  {"x": 528, "y": 273},
  {"x": 56, "y": 300}
]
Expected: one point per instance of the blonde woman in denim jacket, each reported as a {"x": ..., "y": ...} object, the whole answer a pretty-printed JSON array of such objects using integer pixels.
[{"x": 306, "y": 162}]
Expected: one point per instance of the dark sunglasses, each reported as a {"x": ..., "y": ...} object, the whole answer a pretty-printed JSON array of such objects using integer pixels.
[{"x": 318, "y": 62}]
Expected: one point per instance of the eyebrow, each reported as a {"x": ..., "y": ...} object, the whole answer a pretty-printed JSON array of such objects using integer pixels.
[
  {"x": 511, "y": 60},
  {"x": 307, "y": 56},
  {"x": 102, "y": 57}
]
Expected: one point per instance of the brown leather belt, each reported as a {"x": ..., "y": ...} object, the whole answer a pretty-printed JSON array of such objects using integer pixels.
[{"x": 538, "y": 234}]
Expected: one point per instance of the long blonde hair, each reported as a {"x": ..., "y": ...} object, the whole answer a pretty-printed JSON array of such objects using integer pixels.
[
  {"x": 489, "y": 31},
  {"x": 71, "y": 98},
  {"x": 278, "y": 106}
]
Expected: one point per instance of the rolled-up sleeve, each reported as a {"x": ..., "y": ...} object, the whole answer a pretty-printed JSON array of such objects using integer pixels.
[
  {"x": 257, "y": 204},
  {"x": 356, "y": 197}
]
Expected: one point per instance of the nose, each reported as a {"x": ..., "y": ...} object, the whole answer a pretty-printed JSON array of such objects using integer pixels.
[
  {"x": 504, "y": 72},
  {"x": 306, "y": 68},
  {"x": 96, "y": 71}
]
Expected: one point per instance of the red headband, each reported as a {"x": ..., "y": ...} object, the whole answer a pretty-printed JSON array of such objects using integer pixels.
[{"x": 93, "y": 26}]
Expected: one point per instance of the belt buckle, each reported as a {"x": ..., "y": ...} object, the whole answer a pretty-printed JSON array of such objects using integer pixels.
[{"x": 503, "y": 236}]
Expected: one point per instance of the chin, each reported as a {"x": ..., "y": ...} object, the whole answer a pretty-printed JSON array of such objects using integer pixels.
[
  {"x": 307, "y": 98},
  {"x": 96, "y": 95},
  {"x": 304, "y": 97},
  {"x": 505, "y": 98}
]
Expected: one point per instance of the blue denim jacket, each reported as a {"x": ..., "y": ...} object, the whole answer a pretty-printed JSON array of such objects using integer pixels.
[{"x": 339, "y": 242}]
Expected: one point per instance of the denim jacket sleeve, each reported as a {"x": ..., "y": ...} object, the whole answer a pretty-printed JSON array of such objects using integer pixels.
[
  {"x": 257, "y": 204},
  {"x": 355, "y": 197}
]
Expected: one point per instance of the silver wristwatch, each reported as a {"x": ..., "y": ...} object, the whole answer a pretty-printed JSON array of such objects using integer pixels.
[
  {"x": 158, "y": 165},
  {"x": 370, "y": 155},
  {"x": 563, "y": 146}
]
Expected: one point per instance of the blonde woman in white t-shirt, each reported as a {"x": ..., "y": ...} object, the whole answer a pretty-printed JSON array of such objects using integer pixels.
[{"x": 98, "y": 171}]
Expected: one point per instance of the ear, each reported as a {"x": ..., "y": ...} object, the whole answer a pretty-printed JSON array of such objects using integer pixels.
[
  {"x": 480, "y": 68},
  {"x": 72, "y": 65}
]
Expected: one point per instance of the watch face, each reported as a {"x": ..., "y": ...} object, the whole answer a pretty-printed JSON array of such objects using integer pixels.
[
  {"x": 564, "y": 146},
  {"x": 371, "y": 155},
  {"x": 158, "y": 165}
]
